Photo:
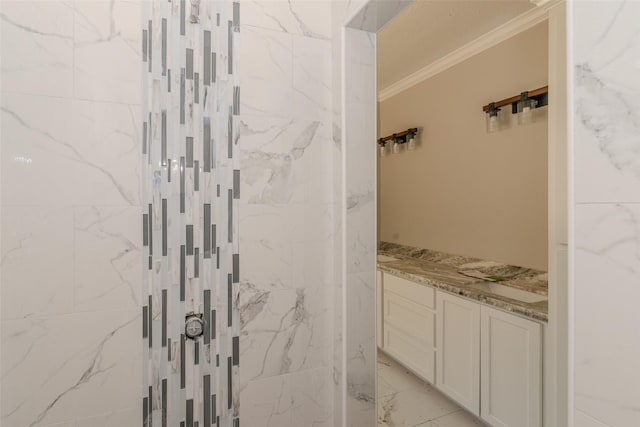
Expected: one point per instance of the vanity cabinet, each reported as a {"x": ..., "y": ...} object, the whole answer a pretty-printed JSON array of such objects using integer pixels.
[
  {"x": 511, "y": 370},
  {"x": 458, "y": 350},
  {"x": 487, "y": 360},
  {"x": 409, "y": 324}
]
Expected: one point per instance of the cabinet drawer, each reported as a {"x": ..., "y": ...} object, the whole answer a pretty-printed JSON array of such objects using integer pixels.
[
  {"x": 419, "y": 359},
  {"x": 414, "y": 320},
  {"x": 419, "y": 294}
]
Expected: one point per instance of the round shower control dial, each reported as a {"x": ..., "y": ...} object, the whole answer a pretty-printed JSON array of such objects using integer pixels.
[{"x": 194, "y": 326}]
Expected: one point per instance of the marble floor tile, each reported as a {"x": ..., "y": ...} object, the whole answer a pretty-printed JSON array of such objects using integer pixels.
[
  {"x": 459, "y": 418},
  {"x": 405, "y": 400}
]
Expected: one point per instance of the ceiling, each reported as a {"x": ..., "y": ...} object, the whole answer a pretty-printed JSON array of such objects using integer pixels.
[{"x": 430, "y": 29}]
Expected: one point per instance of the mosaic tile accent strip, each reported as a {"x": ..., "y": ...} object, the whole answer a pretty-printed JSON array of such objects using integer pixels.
[{"x": 191, "y": 190}]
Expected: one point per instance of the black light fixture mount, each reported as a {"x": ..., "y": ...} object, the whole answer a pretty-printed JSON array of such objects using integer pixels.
[
  {"x": 540, "y": 95},
  {"x": 522, "y": 105}
]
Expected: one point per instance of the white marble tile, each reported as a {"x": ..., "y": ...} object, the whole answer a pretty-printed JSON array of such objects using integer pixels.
[
  {"x": 313, "y": 265},
  {"x": 583, "y": 420},
  {"x": 130, "y": 417},
  {"x": 62, "y": 424},
  {"x": 87, "y": 151},
  {"x": 301, "y": 399},
  {"x": 321, "y": 186},
  {"x": 360, "y": 46},
  {"x": 606, "y": 101},
  {"x": 37, "y": 261},
  {"x": 360, "y": 348},
  {"x": 359, "y": 411},
  {"x": 282, "y": 331},
  {"x": 37, "y": 154},
  {"x": 360, "y": 72},
  {"x": 312, "y": 406},
  {"x": 394, "y": 378},
  {"x": 36, "y": 40},
  {"x": 310, "y": 18},
  {"x": 268, "y": 265},
  {"x": 361, "y": 245},
  {"x": 107, "y": 243},
  {"x": 413, "y": 407},
  {"x": 268, "y": 403},
  {"x": 311, "y": 78},
  {"x": 457, "y": 419},
  {"x": 268, "y": 235},
  {"x": 74, "y": 366},
  {"x": 361, "y": 154},
  {"x": 267, "y": 84},
  {"x": 406, "y": 400},
  {"x": 107, "y": 33},
  {"x": 276, "y": 158},
  {"x": 376, "y": 13},
  {"x": 106, "y": 137},
  {"x": 287, "y": 247},
  {"x": 607, "y": 340}
]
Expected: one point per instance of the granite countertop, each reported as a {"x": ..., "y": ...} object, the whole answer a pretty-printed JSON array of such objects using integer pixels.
[{"x": 441, "y": 270}]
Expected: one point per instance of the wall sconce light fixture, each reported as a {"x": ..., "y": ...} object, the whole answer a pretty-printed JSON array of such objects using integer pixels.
[
  {"x": 493, "y": 125},
  {"x": 522, "y": 104},
  {"x": 398, "y": 140}
]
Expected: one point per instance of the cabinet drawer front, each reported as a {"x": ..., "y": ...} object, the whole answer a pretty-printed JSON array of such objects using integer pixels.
[
  {"x": 419, "y": 294},
  {"x": 414, "y": 320},
  {"x": 402, "y": 347}
]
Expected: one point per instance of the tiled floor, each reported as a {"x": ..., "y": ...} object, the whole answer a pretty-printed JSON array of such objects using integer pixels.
[{"x": 407, "y": 401}]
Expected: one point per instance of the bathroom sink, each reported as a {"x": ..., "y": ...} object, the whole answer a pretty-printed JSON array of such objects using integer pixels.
[
  {"x": 508, "y": 292},
  {"x": 385, "y": 258}
]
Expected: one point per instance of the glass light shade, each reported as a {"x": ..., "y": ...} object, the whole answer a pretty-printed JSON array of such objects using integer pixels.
[
  {"x": 493, "y": 124},
  {"x": 525, "y": 111},
  {"x": 396, "y": 148},
  {"x": 383, "y": 150},
  {"x": 411, "y": 145}
]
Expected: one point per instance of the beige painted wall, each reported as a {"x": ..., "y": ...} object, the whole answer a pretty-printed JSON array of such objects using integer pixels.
[{"x": 463, "y": 190}]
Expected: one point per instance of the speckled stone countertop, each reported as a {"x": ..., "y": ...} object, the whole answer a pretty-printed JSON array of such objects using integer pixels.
[{"x": 441, "y": 270}]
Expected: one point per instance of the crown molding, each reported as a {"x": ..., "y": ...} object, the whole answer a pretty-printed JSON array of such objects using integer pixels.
[
  {"x": 499, "y": 34},
  {"x": 546, "y": 4}
]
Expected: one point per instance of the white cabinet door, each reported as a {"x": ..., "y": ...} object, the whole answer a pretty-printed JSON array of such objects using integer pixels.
[
  {"x": 458, "y": 350},
  {"x": 511, "y": 370},
  {"x": 379, "y": 305}
]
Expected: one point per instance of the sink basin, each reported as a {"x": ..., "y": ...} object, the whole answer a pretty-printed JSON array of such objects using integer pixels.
[
  {"x": 509, "y": 292},
  {"x": 385, "y": 258}
]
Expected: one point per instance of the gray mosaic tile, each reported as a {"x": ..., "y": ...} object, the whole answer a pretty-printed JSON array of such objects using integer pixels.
[{"x": 187, "y": 137}]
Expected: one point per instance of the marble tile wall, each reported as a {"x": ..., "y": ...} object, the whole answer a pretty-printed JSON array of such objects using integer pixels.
[
  {"x": 287, "y": 220},
  {"x": 606, "y": 131},
  {"x": 71, "y": 234},
  {"x": 358, "y": 127},
  {"x": 191, "y": 190},
  {"x": 341, "y": 12},
  {"x": 360, "y": 220}
]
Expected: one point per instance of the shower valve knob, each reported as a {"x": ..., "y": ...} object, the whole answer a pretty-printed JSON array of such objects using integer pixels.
[{"x": 193, "y": 325}]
